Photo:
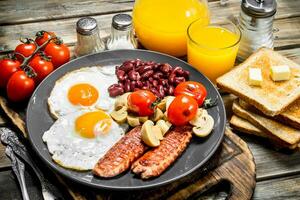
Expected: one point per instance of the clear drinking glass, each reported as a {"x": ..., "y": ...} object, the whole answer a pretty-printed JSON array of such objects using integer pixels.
[
  {"x": 212, "y": 49},
  {"x": 161, "y": 25}
]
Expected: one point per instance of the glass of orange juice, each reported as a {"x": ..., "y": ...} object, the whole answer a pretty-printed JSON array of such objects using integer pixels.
[
  {"x": 161, "y": 25},
  {"x": 212, "y": 49}
]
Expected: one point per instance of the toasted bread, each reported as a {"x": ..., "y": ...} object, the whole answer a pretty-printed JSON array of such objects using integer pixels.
[
  {"x": 273, "y": 128},
  {"x": 244, "y": 126},
  {"x": 289, "y": 117},
  {"x": 271, "y": 97}
]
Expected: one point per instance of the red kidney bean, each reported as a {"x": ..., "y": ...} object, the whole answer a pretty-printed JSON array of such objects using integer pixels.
[
  {"x": 147, "y": 74},
  {"x": 170, "y": 90},
  {"x": 178, "y": 70},
  {"x": 158, "y": 75},
  {"x": 161, "y": 91},
  {"x": 172, "y": 77},
  {"x": 178, "y": 80},
  {"x": 163, "y": 82},
  {"x": 155, "y": 91},
  {"x": 151, "y": 79},
  {"x": 165, "y": 68},
  {"x": 145, "y": 88},
  {"x": 139, "y": 84},
  {"x": 156, "y": 66},
  {"x": 155, "y": 83},
  {"x": 145, "y": 68},
  {"x": 186, "y": 74},
  {"x": 126, "y": 67},
  {"x": 134, "y": 75},
  {"x": 115, "y": 90},
  {"x": 120, "y": 75},
  {"x": 132, "y": 85},
  {"x": 127, "y": 86}
]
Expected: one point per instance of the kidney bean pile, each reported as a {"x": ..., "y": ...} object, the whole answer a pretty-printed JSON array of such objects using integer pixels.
[{"x": 161, "y": 79}]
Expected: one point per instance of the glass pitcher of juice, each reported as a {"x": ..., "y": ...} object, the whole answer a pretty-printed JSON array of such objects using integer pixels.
[{"x": 161, "y": 25}]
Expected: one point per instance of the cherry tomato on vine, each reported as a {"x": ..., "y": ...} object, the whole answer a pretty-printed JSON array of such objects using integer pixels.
[
  {"x": 19, "y": 86},
  {"x": 43, "y": 36},
  {"x": 142, "y": 102},
  {"x": 59, "y": 53},
  {"x": 192, "y": 89},
  {"x": 42, "y": 66},
  {"x": 8, "y": 66},
  {"x": 182, "y": 109},
  {"x": 27, "y": 48}
]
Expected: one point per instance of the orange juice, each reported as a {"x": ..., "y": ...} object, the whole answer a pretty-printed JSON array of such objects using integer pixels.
[
  {"x": 161, "y": 25},
  {"x": 212, "y": 50}
]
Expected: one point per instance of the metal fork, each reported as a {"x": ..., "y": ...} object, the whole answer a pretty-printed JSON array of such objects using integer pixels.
[
  {"x": 19, "y": 169},
  {"x": 12, "y": 141}
]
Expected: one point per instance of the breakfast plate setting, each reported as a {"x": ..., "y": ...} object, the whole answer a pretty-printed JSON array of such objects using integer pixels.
[{"x": 174, "y": 100}]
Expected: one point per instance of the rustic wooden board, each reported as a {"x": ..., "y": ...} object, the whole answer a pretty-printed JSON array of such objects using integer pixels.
[{"x": 16, "y": 12}]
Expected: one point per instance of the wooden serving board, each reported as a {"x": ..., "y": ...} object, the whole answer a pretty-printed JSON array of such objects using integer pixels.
[{"x": 233, "y": 163}]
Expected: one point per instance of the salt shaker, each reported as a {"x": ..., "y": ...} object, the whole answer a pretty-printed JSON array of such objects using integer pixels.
[
  {"x": 256, "y": 24},
  {"x": 88, "y": 37},
  {"x": 121, "y": 33}
]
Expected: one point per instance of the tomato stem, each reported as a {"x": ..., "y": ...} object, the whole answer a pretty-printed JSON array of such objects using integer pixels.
[
  {"x": 208, "y": 103},
  {"x": 24, "y": 66}
]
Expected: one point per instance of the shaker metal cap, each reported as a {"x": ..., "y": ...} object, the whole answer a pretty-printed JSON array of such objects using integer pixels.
[
  {"x": 122, "y": 22},
  {"x": 259, "y": 8},
  {"x": 86, "y": 26}
]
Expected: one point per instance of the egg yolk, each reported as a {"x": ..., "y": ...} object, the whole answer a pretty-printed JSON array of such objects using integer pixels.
[
  {"x": 92, "y": 124},
  {"x": 83, "y": 94}
]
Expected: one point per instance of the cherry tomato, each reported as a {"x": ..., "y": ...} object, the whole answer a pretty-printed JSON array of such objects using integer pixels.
[
  {"x": 7, "y": 68},
  {"x": 20, "y": 86},
  {"x": 42, "y": 67},
  {"x": 59, "y": 53},
  {"x": 192, "y": 89},
  {"x": 43, "y": 36},
  {"x": 26, "y": 48},
  {"x": 182, "y": 109},
  {"x": 142, "y": 102}
]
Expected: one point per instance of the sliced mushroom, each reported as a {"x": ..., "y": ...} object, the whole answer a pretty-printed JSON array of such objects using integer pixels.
[
  {"x": 169, "y": 100},
  {"x": 158, "y": 114},
  {"x": 133, "y": 121},
  {"x": 198, "y": 119},
  {"x": 121, "y": 101},
  {"x": 157, "y": 131},
  {"x": 143, "y": 119},
  {"x": 164, "y": 126},
  {"x": 120, "y": 115},
  {"x": 162, "y": 104},
  {"x": 206, "y": 128},
  {"x": 148, "y": 135}
]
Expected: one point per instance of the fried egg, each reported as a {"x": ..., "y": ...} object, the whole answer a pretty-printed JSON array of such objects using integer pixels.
[
  {"x": 85, "y": 88},
  {"x": 78, "y": 140}
]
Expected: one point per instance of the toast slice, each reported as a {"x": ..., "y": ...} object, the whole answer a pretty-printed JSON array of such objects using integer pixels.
[
  {"x": 244, "y": 126},
  {"x": 290, "y": 117},
  {"x": 272, "y": 128},
  {"x": 272, "y": 97}
]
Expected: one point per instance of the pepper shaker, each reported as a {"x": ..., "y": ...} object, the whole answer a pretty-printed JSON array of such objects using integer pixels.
[
  {"x": 88, "y": 37},
  {"x": 256, "y": 24},
  {"x": 122, "y": 36}
]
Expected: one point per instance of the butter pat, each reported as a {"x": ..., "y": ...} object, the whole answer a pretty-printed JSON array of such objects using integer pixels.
[
  {"x": 255, "y": 76},
  {"x": 280, "y": 73}
]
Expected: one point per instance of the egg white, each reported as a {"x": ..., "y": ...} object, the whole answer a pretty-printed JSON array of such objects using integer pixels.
[
  {"x": 73, "y": 151},
  {"x": 99, "y": 77}
]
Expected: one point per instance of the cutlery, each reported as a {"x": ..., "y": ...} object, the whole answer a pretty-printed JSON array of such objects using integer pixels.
[
  {"x": 19, "y": 169},
  {"x": 10, "y": 138}
]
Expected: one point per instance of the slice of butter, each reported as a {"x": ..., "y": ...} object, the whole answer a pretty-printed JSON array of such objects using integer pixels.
[
  {"x": 255, "y": 76},
  {"x": 280, "y": 73}
]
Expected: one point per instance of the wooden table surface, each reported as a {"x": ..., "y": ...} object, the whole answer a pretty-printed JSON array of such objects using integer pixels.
[{"x": 278, "y": 173}]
